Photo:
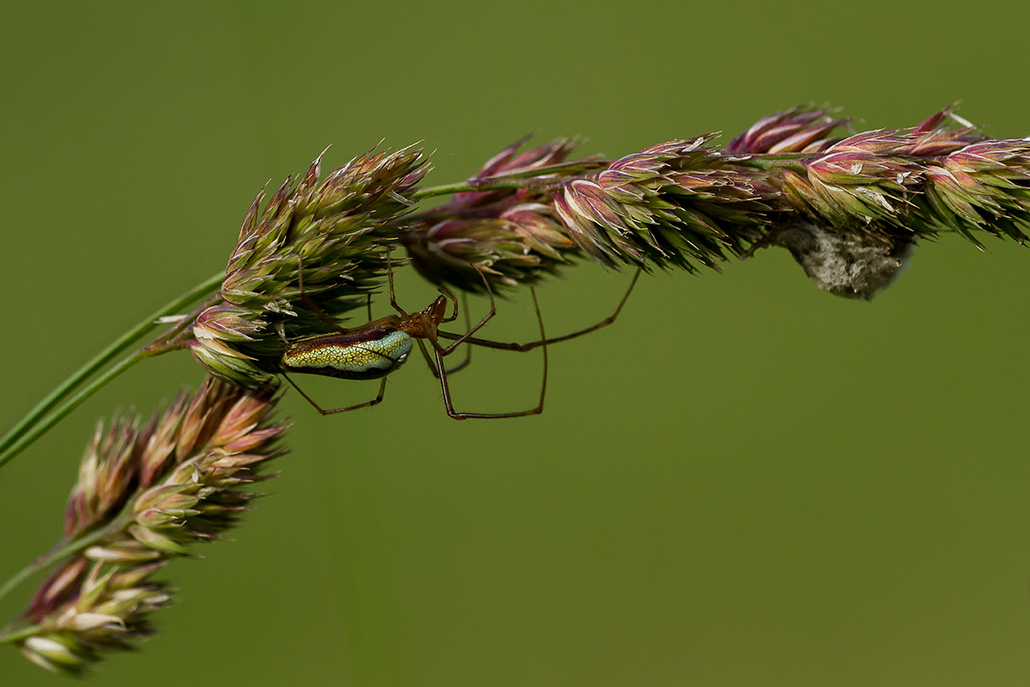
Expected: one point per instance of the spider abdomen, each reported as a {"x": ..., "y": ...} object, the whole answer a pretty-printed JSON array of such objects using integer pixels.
[{"x": 366, "y": 353}]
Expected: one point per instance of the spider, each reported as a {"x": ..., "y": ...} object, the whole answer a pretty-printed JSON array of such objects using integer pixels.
[{"x": 374, "y": 350}]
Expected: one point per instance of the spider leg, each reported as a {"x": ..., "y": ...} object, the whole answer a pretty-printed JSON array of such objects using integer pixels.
[
  {"x": 389, "y": 277},
  {"x": 536, "y": 410},
  {"x": 468, "y": 325},
  {"x": 462, "y": 339},
  {"x": 429, "y": 361},
  {"x": 311, "y": 304},
  {"x": 486, "y": 343},
  {"x": 367, "y": 404}
]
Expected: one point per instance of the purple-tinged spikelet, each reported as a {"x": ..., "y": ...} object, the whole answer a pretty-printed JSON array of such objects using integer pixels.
[
  {"x": 146, "y": 495},
  {"x": 677, "y": 203},
  {"x": 508, "y": 234},
  {"x": 332, "y": 227},
  {"x": 797, "y": 130}
]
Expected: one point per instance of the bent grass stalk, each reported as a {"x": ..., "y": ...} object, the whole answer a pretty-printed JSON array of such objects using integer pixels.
[{"x": 36, "y": 422}]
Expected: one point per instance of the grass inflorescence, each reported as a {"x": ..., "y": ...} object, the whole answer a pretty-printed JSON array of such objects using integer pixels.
[{"x": 849, "y": 206}]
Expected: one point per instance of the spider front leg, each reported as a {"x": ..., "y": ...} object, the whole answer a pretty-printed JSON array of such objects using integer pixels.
[
  {"x": 450, "y": 349},
  {"x": 431, "y": 323},
  {"x": 468, "y": 334}
]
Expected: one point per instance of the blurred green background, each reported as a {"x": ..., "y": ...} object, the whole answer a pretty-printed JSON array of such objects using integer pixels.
[{"x": 744, "y": 481}]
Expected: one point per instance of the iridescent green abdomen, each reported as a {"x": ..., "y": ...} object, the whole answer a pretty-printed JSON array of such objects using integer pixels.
[{"x": 366, "y": 354}]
